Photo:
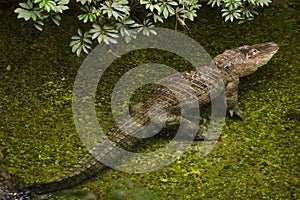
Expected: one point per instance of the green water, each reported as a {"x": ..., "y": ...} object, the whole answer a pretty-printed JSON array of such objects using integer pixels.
[{"x": 257, "y": 158}]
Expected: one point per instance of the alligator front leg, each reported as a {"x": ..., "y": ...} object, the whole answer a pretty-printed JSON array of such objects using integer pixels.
[{"x": 232, "y": 98}]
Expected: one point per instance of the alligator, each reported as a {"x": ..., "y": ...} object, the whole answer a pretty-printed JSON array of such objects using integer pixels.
[
  {"x": 11, "y": 187},
  {"x": 231, "y": 65},
  {"x": 293, "y": 115}
]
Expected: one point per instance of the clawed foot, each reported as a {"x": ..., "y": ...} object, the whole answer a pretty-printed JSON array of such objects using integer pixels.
[{"x": 237, "y": 111}]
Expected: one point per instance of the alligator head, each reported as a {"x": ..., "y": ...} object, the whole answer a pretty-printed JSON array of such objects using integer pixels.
[{"x": 246, "y": 59}]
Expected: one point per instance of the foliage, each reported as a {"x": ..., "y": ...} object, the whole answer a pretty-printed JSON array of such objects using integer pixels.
[
  {"x": 38, "y": 10},
  {"x": 257, "y": 158},
  {"x": 111, "y": 18},
  {"x": 239, "y": 9}
]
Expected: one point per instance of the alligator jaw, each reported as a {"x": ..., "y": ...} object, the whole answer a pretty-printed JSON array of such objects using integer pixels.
[
  {"x": 266, "y": 52},
  {"x": 253, "y": 57}
]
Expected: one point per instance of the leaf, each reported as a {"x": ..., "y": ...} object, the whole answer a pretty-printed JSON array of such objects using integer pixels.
[
  {"x": 111, "y": 40},
  {"x": 38, "y": 25},
  {"x": 173, "y": 3},
  {"x": 153, "y": 32},
  {"x": 74, "y": 42},
  {"x": 157, "y": 18},
  {"x": 56, "y": 19},
  {"x": 75, "y": 37},
  {"x": 81, "y": 43},
  {"x": 85, "y": 49},
  {"x": 61, "y": 8},
  {"x": 50, "y": 5},
  {"x": 165, "y": 13},
  {"x": 79, "y": 51},
  {"x": 27, "y": 5},
  {"x": 81, "y": 17},
  {"x": 86, "y": 18},
  {"x": 95, "y": 35},
  {"x": 100, "y": 38},
  {"x": 84, "y": 1},
  {"x": 76, "y": 46},
  {"x": 158, "y": 8},
  {"x": 236, "y": 14},
  {"x": 171, "y": 10},
  {"x": 63, "y": 2},
  {"x": 215, "y": 2},
  {"x": 92, "y": 17},
  {"x": 225, "y": 12},
  {"x": 87, "y": 40},
  {"x": 23, "y": 13},
  {"x": 112, "y": 35},
  {"x": 79, "y": 32}
]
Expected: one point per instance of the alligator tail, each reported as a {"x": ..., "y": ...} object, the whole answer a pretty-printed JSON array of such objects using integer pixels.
[
  {"x": 86, "y": 169},
  {"x": 90, "y": 166}
]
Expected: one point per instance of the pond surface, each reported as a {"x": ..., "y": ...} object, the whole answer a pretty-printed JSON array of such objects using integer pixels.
[{"x": 257, "y": 158}]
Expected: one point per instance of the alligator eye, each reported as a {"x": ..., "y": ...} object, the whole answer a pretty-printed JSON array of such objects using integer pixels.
[{"x": 254, "y": 51}]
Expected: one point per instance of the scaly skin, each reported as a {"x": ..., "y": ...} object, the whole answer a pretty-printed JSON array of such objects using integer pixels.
[
  {"x": 9, "y": 184},
  {"x": 231, "y": 65}
]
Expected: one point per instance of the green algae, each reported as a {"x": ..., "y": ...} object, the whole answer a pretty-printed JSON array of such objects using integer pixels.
[{"x": 257, "y": 158}]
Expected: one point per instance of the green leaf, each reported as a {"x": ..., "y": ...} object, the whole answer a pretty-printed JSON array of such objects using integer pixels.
[
  {"x": 75, "y": 37},
  {"x": 60, "y": 8},
  {"x": 86, "y": 49},
  {"x": 27, "y": 5},
  {"x": 50, "y": 5},
  {"x": 165, "y": 13},
  {"x": 74, "y": 42},
  {"x": 63, "y": 2},
  {"x": 56, "y": 19},
  {"x": 23, "y": 13},
  {"x": 171, "y": 10},
  {"x": 79, "y": 51},
  {"x": 173, "y": 3},
  {"x": 157, "y": 18},
  {"x": 76, "y": 46},
  {"x": 82, "y": 16},
  {"x": 215, "y": 2},
  {"x": 87, "y": 40},
  {"x": 158, "y": 8},
  {"x": 38, "y": 25}
]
